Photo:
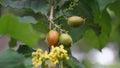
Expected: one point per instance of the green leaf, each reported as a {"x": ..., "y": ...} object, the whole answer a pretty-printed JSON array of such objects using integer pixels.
[
  {"x": 115, "y": 33},
  {"x": 25, "y": 50},
  {"x": 11, "y": 59},
  {"x": 105, "y": 22},
  {"x": 9, "y": 25},
  {"x": 115, "y": 7},
  {"x": 60, "y": 3},
  {"x": 102, "y": 19},
  {"x": 92, "y": 40},
  {"x": 65, "y": 3},
  {"x": 41, "y": 26},
  {"x": 28, "y": 19},
  {"x": 87, "y": 63},
  {"x": 36, "y": 5},
  {"x": 28, "y": 63},
  {"x": 13, "y": 42},
  {"x": 89, "y": 41},
  {"x": 104, "y": 3},
  {"x": 72, "y": 63}
]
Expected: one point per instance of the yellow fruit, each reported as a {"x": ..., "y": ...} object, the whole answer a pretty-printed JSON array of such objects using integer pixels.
[{"x": 75, "y": 21}]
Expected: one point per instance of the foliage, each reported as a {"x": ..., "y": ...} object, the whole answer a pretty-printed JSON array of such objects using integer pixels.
[
  {"x": 9, "y": 25},
  {"x": 11, "y": 59}
]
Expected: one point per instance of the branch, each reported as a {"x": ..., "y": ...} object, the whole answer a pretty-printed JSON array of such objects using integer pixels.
[
  {"x": 51, "y": 14},
  {"x": 51, "y": 19}
]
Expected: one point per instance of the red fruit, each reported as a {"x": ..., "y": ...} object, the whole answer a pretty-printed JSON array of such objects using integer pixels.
[{"x": 52, "y": 37}]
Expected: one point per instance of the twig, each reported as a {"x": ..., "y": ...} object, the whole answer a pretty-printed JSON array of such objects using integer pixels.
[
  {"x": 51, "y": 14},
  {"x": 51, "y": 19}
]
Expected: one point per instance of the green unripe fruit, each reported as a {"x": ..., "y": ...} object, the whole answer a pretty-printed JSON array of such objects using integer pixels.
[
  {"x": 75, "y": 21},
  {"x": 65, "y": 39}
]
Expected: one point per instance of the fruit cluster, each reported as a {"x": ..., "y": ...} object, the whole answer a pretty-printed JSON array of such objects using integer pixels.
[
  {"x": 64, "y": 38},
  {"x": 53, "y": 38}
]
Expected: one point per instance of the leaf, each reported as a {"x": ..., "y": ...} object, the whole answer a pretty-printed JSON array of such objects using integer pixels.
[
  {"x": 41, "y": 26},
  {"x": 105, "y": 22},
  {"x": 60, "y": 3},
  {"x": 92, "y": 40},
  {"x": 87, "y": 63},
  {"x": 65, "y": 3},
  {"x": 25, "y": 50},
  {"x": 104, "y": 3},
  {"x": 89, "y": 41},
  {"x": 115, "y": 7},
  {"x": 28, "y": 63},
  {"x": 36, "y": 5},
  {"x": 114, "y": 35},
  {"x": 11, "y": 59},
  {"x": 97, "y": 21},
  {"x": 13, "y": 42},
  {"x": 27, "y": 19},
  {"x": 9, "y": 25},
  {"x": 72, "y": 63},
  {"x": 101, "y": 40}
]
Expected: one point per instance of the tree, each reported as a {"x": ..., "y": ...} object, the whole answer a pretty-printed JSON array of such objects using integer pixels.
[{"x": 29, "y": 21}]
